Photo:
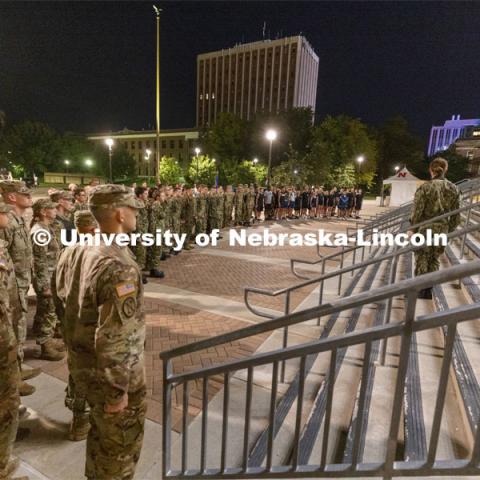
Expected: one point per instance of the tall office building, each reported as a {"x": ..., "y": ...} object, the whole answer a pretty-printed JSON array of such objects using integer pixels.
[
  {"x": 441, "y": 137},
  {"x": 269, "y": 75}
]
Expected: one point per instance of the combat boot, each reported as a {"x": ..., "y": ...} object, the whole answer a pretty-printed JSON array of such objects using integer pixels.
[
  {"x": 49, "y": 352},
  {"x": 27, "y": 374},
  {"x": 79, "y": 427},
  {"x": 156, "y": 273},
  {"x": 59, "y": 344},
  {"x": 25, "y": 389}
]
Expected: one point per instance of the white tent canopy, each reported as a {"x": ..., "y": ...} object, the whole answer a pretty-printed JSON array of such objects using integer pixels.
[{"x": 404, "y": 185}]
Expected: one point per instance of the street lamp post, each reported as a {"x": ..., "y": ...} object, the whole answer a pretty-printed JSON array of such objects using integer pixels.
[
  {"x": 67, "y": 163},
  {"x": 271, "y": 135},
  {"x": 148, "y": 152},
  {"x": 109, "y": 143},
  {"x": 197, "y": 151},
  {"x": 157, "y": 15}
]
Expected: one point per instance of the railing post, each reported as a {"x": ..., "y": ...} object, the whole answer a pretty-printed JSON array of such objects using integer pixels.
[
  {"x": 320, "y": 296},
  {"x": 167, "y": 419},
  {"x": 340, "y": 276},
  {"x": 400, "y": 383},
  {"x": 388, "y": 310},
  {"x": 464, "y": 239},
  {"x": 285, "y": 337}
]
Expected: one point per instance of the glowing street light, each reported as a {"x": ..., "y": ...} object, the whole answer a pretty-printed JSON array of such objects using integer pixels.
[
  {"x": 89, "y": 162},
  {"x": 67, "y": 164},
  {"x": 295, "y": 171},
  {"x": 110, "y": 142},
  {"x": 271, "y": 136},
  {"x": 197, "y": 153},
  {"x": 255, "y": 160},
  {"x": 397, "y": 168},
  {"x": 360, "y": 160}
]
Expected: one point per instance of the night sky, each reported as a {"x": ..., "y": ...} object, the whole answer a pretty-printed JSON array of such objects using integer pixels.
[{"x": 89, "y": 66}]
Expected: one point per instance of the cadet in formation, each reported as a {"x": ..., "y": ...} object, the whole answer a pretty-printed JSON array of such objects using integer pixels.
[
  {"x": 105, "y": 337},
  {"x": 432, "y": 199},
  {"x": 44, "y": 263},
  {"x": 18, "y": 244},
  {"x": 9, "y": 370}
]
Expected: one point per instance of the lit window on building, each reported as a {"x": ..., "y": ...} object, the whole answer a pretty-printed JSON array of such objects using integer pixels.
[
  {"x": 201, "y": 96},
  {"x": 213, "y": 96},
  {"x": 206, "y": 96}
]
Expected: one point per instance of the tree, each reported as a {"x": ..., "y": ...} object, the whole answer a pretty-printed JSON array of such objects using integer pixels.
[
  {"x": 246, "y": 172},
  {"x": 202, "y": 169},
  {"x": 337, "y": 144},
  {"x": 398, "y": 146},
  {"x": 295, "y": 130},
  {"x": 3, "y": 120},
  {"x": 33, "y": 145},
  {"x": 123, "y": 164},
  {"x": 294, "y": 171},
  {"x": 227, "y": 140},
  {"x": 76, "y": 148},
  {"x": 170, "y": 171}
]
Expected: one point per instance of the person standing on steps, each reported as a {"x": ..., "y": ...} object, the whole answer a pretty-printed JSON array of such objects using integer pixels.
[{"x": 434, "y": 198}]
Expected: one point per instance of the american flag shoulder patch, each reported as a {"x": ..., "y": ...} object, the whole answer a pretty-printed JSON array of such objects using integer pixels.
[{"x": 126, "y": 288}]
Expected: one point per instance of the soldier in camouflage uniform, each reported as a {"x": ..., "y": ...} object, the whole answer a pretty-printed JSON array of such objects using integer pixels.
[
  {"x": 85, "y": 222},
  {"x": 9, "y": 372},
  {"x": 250, "y": 204},
  {"x": 139, "y": 250},
  {"x": 64, "y": 218},
  {"x": 188, "y": 217},
  {"x": 175, "y": 212},
  {"x": 432, "y": 199},
  {"x": 105, "y": 337},
  {"x": 80, "y": 197},
  {"x": 157, "y": 212},
  {"x": 19, "y": 246},
  {"x": 44, "y": 263},
  {"x": 228, "y": 211},
  {"x": 201, "y": 212},
  {"x": 238, "y": 205},
  {"x": 75, "y": 401}
]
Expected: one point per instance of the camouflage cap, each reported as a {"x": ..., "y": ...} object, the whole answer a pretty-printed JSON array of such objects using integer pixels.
[
  {"x": 113, "y": 196},
  {"x": 43, "y": 203},
  {"x": 84, "y": 218},
  {"x": 14, "y": 186},
  {"x": 61, "y": 195}
]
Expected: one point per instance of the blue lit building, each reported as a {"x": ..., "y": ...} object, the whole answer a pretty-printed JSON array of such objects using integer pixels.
[{"x": 443, "y": 136}]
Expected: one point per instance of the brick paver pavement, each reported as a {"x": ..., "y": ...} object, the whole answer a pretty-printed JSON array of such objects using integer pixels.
[{"x": 170, "y": 326}]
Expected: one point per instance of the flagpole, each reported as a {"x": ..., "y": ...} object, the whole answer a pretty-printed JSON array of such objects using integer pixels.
[{"x": 157, "y": 149}]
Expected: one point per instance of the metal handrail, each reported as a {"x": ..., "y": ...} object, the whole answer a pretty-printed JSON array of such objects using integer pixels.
[
  {"x": 326, "y": 276},
  {"x": 384, "y": 220},
  {"x": 341, "y": 271},
  {"x": 399, "y": 222},
  {"x": 327, "y": 309},
  {"x": 404, "y": 329}
]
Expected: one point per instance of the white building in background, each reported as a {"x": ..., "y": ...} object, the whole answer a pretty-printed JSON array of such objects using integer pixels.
[
  {"x": 441, "y": 137},
  {"x": 269, "y": 76}
]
